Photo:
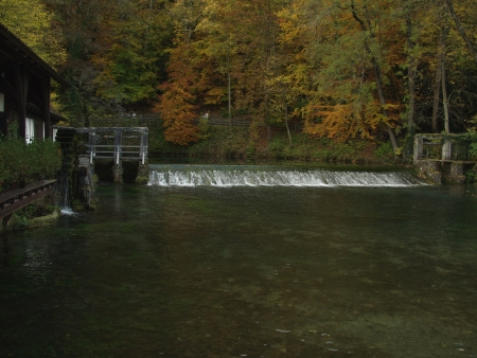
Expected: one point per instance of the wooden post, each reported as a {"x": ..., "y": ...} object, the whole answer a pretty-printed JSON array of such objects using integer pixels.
[
  {"x": 3, "y": 124},
  {"x": 46, "y": 106},
  {"x": 21, "y": 84}
]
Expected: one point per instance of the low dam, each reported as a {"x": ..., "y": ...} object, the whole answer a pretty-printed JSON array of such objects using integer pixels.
[{"x": 258, "y": 176}]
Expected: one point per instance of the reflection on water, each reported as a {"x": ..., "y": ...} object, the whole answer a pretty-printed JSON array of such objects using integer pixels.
[{"x": 247, "y": 272}]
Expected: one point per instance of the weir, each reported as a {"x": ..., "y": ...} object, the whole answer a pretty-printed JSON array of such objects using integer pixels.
[{"x": 260, "y": 176}]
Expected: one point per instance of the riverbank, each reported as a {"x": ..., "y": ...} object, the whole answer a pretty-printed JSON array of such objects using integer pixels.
[
  {"x": 32, "y": 217},
  {"x": 219, "y": 144}
]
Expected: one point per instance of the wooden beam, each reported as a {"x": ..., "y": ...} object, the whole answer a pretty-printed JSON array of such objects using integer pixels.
[
  {"x": 21, "y": 84},
  {"x": 14, "y": 200},
  {"x": 45, "y": 90},
  {"x": 26, "y": 55},
  {"x": 3, "y": 124}
]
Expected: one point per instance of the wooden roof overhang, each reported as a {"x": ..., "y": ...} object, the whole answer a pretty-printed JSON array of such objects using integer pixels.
[{"x": 12, "y": 49}]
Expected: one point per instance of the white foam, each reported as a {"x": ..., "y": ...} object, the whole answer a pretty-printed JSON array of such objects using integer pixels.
[
  {"x": 233, "y": 176},
  {"x": 67, "y": 211}
]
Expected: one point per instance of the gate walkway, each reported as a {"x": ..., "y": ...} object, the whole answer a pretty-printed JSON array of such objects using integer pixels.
[
  {"x": 116, "y": 143},
  {"x": 84, "y": 146}
]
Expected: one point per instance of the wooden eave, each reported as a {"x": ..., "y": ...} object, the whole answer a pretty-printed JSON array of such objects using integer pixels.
[{"x": 22, "y": 53}]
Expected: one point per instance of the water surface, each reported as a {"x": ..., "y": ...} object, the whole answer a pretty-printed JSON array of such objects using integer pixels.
[{"x": 247, "y": 272}]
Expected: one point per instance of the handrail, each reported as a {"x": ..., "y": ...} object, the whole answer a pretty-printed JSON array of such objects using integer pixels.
[{"x": 17, "y": 199}]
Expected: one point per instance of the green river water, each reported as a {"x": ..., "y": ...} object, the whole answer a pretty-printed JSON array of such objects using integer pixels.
[{"x": 247, "y": 272}]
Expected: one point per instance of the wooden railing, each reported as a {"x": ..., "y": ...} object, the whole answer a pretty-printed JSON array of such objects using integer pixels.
[{"x": 17, "y": 199}]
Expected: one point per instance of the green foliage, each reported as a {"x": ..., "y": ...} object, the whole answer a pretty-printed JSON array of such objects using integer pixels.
[
  {"x": 132, "y": 63},
  {"x": 223, "y": 144},
  {"x": 385, "y": 151},
  {"x": 34, "y": 215},
  {"x": 116, "y": 56},
  {"x": 276, "y": 147},
  {"x": 158, "y": 146},
  {"x": 21, "y": 164},
  {"x": 473, "y": 151}
]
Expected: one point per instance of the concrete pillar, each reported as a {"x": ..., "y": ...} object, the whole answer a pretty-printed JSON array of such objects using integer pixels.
[
  {"x": 447, "y": 150},
  {"x": 118, "y": 173},
  {"x": 418, "y": 147},
  {"x": 430, "y": 170},
  {"x": 456, "y": 173},
  {"x": 142, "y": 174}
]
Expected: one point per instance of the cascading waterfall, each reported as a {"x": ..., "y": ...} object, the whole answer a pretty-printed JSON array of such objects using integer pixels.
[
  {"x": 65, "y": 208},
  {"x": 257, "y": 176}
]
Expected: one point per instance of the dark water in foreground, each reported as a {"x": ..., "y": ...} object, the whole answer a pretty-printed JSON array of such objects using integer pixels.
[{"x": 247, "y": 272}]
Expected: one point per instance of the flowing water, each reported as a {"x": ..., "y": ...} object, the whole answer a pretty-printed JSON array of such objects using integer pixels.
[
  {"x": 255, "y": 176},
  {"x": 248, "y": 271}
]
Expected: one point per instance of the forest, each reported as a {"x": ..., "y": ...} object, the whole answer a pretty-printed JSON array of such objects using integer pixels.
[{"x": 319, "y": 71}]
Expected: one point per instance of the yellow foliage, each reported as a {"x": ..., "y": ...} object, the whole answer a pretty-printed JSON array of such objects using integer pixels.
[{"x": 31, "y": 21}]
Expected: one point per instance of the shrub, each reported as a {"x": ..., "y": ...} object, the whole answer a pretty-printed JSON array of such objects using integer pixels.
[
  {"x": 21, "y": 164},
  {"x": 384, "y": 151},
  {"x": 277, "y": 146},
  {"x": 473, "y": 151}
]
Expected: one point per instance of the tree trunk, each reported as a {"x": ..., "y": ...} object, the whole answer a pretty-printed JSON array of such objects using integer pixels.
[
  {"x": 290, "y": 141},
  {"x": 229, "y": 95},
  {"x": 460, "y": 29},
  {"x": 229, "y": 86},
  {"x": 437, "y": 94},
  {"x": 377, "y": 71},
  {"x": 379, "y": 87},
  {"x": 411, "y": 76},
  {"x": 445, "y": 100}
]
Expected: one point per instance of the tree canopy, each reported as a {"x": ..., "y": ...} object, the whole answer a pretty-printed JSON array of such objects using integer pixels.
[
  {"x": 345, "y": 69},
  {"x": 377, "y": 70}
]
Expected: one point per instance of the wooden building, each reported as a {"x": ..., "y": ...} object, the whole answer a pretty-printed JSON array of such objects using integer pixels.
[{"x": 25, "y": 87}]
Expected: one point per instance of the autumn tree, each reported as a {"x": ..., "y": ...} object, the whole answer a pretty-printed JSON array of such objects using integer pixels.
[{"x": 189, "y": 77}]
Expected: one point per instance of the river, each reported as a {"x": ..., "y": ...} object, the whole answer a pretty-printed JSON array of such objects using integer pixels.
[{"x": 257, "y": 268}]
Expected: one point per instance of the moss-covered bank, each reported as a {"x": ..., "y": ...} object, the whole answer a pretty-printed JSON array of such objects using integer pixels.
[{"x": 35, "y": 215}]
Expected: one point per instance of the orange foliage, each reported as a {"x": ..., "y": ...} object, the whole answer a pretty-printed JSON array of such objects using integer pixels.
[
  {"x": 179, "y": 115},
  {"x": 179, "y": 103},
  {"x": 344, "y": 121}
]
